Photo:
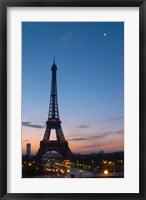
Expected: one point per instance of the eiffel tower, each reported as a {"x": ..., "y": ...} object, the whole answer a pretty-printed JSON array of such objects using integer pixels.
[{"x": 59, "y": 145}]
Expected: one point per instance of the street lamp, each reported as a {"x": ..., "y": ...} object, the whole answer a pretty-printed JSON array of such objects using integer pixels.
[{"x": 105, "y": 172}]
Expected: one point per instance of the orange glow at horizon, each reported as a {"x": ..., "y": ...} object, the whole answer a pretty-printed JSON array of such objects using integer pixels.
[{"x": 113, "y": 142}]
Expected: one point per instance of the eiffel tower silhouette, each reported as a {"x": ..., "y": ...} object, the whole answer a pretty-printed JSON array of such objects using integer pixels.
[{"x": 59, "y": 145}]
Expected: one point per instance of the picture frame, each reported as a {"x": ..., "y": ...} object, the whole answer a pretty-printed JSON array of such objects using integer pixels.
[{"x": 3, "y": 98}]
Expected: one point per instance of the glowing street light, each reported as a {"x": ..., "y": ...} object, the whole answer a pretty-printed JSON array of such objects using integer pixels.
[{"x": 105, "y": 172}]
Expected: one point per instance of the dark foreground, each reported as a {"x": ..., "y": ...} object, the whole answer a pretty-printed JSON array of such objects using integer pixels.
[{"x": 101, "y": 165}]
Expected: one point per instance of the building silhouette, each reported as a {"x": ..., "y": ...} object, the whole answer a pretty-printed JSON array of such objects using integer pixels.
[{"x": 28, "y": 149}]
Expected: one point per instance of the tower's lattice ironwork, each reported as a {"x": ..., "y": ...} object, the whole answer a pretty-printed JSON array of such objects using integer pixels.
[{"x": 59, "y": 145}]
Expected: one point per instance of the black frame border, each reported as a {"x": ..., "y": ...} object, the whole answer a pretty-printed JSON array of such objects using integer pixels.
[{"x": 4, "y": 4}]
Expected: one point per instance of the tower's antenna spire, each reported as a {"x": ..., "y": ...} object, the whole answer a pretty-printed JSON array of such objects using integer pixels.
[{"x": 54, "y": 60}]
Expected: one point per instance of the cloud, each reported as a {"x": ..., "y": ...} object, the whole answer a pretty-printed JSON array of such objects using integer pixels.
[
  {"x": 103, "y": 135},
  {"x": 92, "y": 136},
  {"x": 92, "y": 146},
  {"x": 112, "y": 119},
  {"x": 78, "y": 139},
  {"x": 25, "y": 141},
  {"x": 105, "y": 127},
  {"x": 29, "y": 124},
  {"x": 115, "y": 119},
  {"x": 66, "y": 38},
  {"x": 120, "y": 132},
  {"x": 84, "y": 126}
]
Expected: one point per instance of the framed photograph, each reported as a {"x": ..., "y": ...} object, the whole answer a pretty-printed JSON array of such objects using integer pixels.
[{"x": 72, "y": 97}]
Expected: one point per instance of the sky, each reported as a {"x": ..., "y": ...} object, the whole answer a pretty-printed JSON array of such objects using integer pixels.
[{"x": 90, "y": 83}]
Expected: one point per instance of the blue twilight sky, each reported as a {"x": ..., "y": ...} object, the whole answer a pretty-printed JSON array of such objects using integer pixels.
[{"x": 90, "y": 82}]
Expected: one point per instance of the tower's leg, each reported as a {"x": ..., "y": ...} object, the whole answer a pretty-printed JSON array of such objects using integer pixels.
[
  {"x": 41, "y": 151},
  {"x": 60, "y": 135},
  {"x": 47, "y": 135}
]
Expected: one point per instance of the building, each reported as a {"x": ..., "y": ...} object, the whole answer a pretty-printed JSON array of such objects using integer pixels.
[{"x": 28, "y": 149}]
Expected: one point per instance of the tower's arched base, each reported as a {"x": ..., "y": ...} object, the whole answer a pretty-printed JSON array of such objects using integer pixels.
[{"x": 61, "y": 147}]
